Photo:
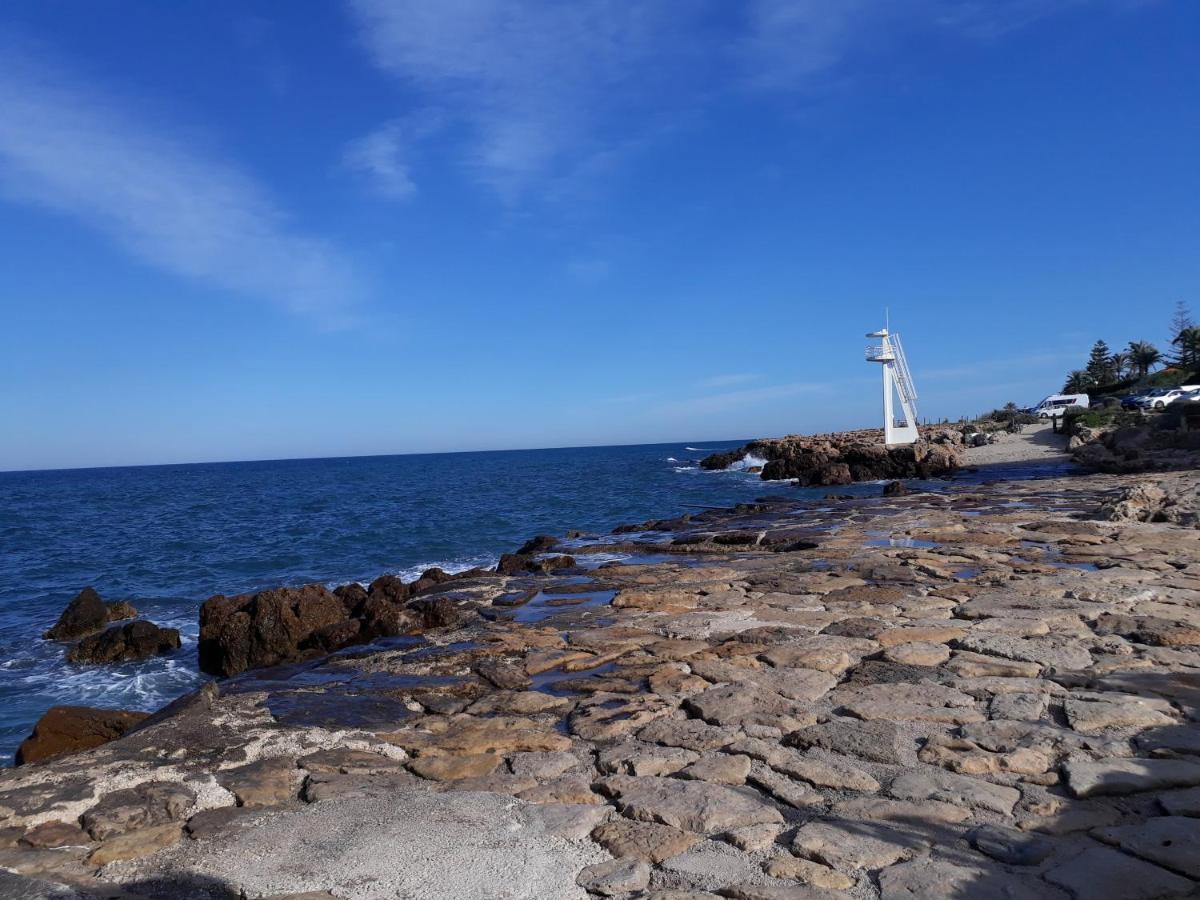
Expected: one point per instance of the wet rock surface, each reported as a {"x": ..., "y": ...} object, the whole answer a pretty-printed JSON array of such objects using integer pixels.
[{"x": 989, "y": 691}]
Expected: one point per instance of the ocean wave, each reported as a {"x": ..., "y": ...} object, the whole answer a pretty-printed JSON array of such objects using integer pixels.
[
  {"x": 700, "y": 449},
  {"x": 452, "y": 567},
  {"x": 684, "y": 468},
  {"x": 746, "y": 462},
  {"x": 672, "y": 459}
]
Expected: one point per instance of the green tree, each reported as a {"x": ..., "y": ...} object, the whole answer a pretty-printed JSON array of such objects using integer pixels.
[
  {"x": 1099, "y": 365},
  {"x": 1144, "y": 356},
  {"x": 1182, "y": 320},
  {"x": 1122, "y": 364},
  {"x": 1187, "y": 344},
  {"x": 1078, "y": 382}
]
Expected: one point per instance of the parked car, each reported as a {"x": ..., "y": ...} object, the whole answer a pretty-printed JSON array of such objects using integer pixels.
[
  {"x": 1134, "y": 401},
  {"x": 1185, "y": 392},
  {"x": 1056, "y": 405}
]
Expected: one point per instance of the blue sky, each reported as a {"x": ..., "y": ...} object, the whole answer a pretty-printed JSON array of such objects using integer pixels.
[{"x": 240, "y": 230}]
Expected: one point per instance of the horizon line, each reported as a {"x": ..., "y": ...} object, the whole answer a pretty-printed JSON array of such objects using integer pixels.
[{"x": 279, "y": 459}]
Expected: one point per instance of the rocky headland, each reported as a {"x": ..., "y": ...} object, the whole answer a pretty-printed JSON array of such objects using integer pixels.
[
  {"x": 846, "y": 457},
  {"x": 988, "y": 691}
]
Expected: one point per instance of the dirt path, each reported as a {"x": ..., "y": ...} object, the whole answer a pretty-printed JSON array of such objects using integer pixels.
[{"x": 1035, "y": 442}]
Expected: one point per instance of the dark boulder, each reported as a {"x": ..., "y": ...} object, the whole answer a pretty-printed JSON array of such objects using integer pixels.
[
  {"x": 119, "y": 610},
  {"x": 84, "y": 615},
  {"x": 134, "y": 640},
  {"x": 389, "y": 587},
  {"x": 895, "y": 489},
  {"x": 352, "y": 595},
  {"x": 833, "y": 459},
  {"x": 71, "y": 729},
  {"x": 539, "y": 544},
  {"x": 430, "y": 578},
  {"x": 87, "y": 614},
  {"x": 334, "y": 637},
  {"x": 514, "y": 564},
  {"x": 264, "y": 629},
  {"x": 383, "y": 618},
  {"x": 438, "y": 612}
]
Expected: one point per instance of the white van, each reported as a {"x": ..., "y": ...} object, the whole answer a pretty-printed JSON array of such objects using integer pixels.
[{"x": 1057, "y": 404}]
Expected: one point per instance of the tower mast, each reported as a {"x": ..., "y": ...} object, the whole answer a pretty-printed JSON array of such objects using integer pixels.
[{"x": 898, "y": 383}]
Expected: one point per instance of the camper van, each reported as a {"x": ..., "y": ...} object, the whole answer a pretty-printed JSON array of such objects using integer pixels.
[{"x": 1056, "y": 404}]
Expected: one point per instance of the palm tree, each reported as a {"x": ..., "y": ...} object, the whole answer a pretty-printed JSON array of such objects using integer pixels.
[
  {"x": 1078, "y": 382},
  {"x": 1145, "y": 356},
  {"x": 1188, "y": 342},
  {"x": 1122, "y": 364}
]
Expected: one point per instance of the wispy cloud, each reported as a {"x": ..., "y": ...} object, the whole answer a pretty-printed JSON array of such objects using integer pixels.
[
  {"x": 795, "y": 44},
  {"x": 69, "y": 147},
  {"x": 717, "y": 381},
  {"x": 549, "y": 91},
  {"x": 534, "y": 83},
  {"x": 384, "y": 156},
  {"x": 733, "y": 400},
  {"x": 988, "y": 369}
]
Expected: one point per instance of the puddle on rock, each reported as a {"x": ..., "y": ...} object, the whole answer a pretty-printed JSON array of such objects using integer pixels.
[{"x": 545, "y": 604}]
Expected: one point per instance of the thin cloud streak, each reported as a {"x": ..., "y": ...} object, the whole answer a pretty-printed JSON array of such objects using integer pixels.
[
  {"x": 548, "y": 91},
  {"x": 72, "y": 149},
  {"x": 717, "y": 381},
  {"x": 731, "y": 400}
]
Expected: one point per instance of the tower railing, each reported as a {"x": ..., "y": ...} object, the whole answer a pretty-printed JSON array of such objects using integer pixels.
[{"x": 903, "y": 377}]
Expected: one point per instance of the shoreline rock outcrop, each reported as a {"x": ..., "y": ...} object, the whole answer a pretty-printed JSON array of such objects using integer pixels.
[
  {"x": 87, "y": 614},
  {"x": 1136, "y": 448},
  {"x": 847, "y": 457},
  {"x": 121, "y": 643},
  {"x": 983, "y": 690},
  {"x": 63, "y": 730}
]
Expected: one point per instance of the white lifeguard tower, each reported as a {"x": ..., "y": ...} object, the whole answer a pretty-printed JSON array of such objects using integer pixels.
[{"x": 897, "y": 379}]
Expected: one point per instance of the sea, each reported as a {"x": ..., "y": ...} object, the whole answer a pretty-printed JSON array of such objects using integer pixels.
[{"x": 166, "y": 538}]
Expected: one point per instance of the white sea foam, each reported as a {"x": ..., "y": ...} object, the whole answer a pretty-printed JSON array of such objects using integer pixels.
[
  {"x": 746, "y": 462},
  {"x": 672, "y": 459},
  {"x": 684, "y": 468},
  {"x": 700, "y": 449}
]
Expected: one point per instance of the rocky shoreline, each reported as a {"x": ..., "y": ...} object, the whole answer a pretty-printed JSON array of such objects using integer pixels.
[
  {"x": 846, "y": 457},
  {"x": 993, "y": 690}
]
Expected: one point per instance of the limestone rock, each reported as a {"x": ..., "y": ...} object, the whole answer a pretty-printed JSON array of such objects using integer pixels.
[
  {"x": 452, "y": 768},
  {"x": 753, "y": 837},
  {"x": 918, "y": 653},
  {"x": 1007, "y": 845},
  {"x": 1170, "y": 841},
  {"x": 853, "y": 847},
  {"x": 1092, "y": 714},
  {"x": 136, "y": 844},
  {"x": 957, "y": 789},
  {"x": 1051, "y": 652},
  {"x": 55, "y": 833},
  {"x": 151, "y": 803},
  {"x": 877, "y": 741},
  {"x": 1099, "y": 873},
  {"x": 719, "y": 768},
  {"x": 691, "y": 734},
  {"x": 808, "y": 872},
  {"x": 695, "y": 806},
  {"x": 644, "y": 840},
  {"x": 939, "y": 879},
  {"x": 739, "y": 704},
  {"x": 1128, "y": 776},
  {"x": 618, "y": 876}
]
